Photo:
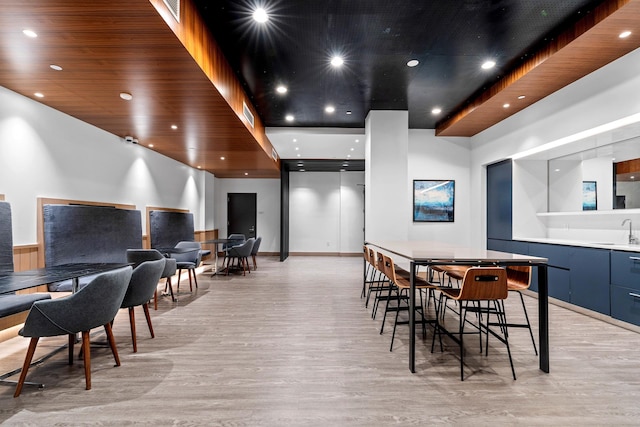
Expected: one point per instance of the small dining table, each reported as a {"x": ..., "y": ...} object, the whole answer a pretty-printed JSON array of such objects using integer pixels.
[
  {"x": 431, "y": 253},
  {"x": 215, "y": 243}
]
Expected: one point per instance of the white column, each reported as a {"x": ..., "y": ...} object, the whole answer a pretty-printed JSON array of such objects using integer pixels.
[{"x": 387, "y": 192}]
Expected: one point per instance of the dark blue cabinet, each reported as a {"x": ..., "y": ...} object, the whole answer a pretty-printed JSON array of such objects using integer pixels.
[
  {"x": 499, "y": 200},
  {"x": 590, "y": 278},
  {"x": 625, "y": 286},
  {"x": 559, "y": 278}
]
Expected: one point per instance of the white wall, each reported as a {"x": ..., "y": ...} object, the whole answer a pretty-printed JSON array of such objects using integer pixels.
[
  {"x": 431, "y": 157},
  {"x": 597, "y": 99},
  {"x": 267, "y": 206},
  {"x": 326, "y": 212},
  {"x": 46, "y": 153},
  {"x": 529, "y": 196}
]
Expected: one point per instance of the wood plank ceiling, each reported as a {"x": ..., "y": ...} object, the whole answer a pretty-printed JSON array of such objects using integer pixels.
[{"x": 179, "y": 76}]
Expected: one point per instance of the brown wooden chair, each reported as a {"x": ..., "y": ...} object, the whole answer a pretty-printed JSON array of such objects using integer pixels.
[
  {"x": 479, "y": 285},
  {"x": 518, "y": 280},
  {"x": 402, "y": 286}
]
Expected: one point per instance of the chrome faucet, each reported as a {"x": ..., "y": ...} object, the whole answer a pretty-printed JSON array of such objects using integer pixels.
[{"x": 633, "y": 240}]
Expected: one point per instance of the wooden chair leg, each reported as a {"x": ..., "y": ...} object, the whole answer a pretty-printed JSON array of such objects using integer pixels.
[
  {"x": 178, "y": 288},
  {"x": 190, "y": 285},
  {"x": 86, "y": 347},
  {"x": 255, "y": 266},
  {"x": 195, "y": 279},
  {"x": 112, "y": 343},
  {"x": 155, "y": 299},
  {"x": 173, "y": 298},
  {"x": 145, "y": 307},
  {"x": 25, "y": 367},
  {"x": 132, "y": 321}
]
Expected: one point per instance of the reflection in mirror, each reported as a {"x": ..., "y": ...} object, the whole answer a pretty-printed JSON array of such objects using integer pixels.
[
  {"x": 610, "y": 166},
  {"x": 627, "y": 184}
]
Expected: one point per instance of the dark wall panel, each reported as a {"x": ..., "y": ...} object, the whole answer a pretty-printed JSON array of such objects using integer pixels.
[{"x": 168, "y": 228}]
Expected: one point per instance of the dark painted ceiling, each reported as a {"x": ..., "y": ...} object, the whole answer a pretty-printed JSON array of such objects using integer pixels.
[{"x": 451, "y": 39}]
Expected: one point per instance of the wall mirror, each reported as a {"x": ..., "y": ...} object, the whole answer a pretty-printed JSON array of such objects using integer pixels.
[{"x": 614, "y": 168}]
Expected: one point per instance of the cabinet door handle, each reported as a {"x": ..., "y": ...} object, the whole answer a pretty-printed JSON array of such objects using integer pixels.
[
  {"x": 634, "y": 258},
  {"x": 631, "y": 294}
]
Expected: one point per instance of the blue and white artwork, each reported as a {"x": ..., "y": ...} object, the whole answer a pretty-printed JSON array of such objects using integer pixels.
[
  {"x": 433, "y": 200},
  {"x": 589, "y": 196}
]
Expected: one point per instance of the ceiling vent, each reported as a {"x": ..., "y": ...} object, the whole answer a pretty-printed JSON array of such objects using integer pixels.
[
  {"x": 247, "y": 114},
  {"x": 174, "y": 8}
]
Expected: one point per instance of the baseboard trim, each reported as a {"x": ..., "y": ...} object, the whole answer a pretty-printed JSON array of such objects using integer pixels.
[{"x": 338, "y": 254}]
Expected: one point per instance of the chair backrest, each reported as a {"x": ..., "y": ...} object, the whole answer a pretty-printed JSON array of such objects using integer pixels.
[
  {"x": 236, "y": 239},
  {"x": 366, "y": 253},
  {"x": 519, "y": 275},
  {"x": 192, "y": 256},
  {"x": 256, "y": 245},
  {"x": 389, "y": 268},
  {"x": 138, "y": 256},
  {"x": 484, "y": 283},
  {"x": 243, "y": 250},
  {"x": 143, "y": 283},
  {"x": 379, "y": 262},
  {"x": 94, "y": 305}
]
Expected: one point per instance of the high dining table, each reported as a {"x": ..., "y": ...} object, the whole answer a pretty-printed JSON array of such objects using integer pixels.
[
  {"x": 20, "y": 280},
  {"x": 430, "y": 253}
]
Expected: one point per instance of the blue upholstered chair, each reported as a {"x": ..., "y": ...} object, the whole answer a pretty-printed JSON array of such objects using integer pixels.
[
  {"x": 254, "y": 251},
  {"x": 142, "y": 287},
  {"x": 138, "y": 256},
  {"x": 188, "y": 260},
  {"x": 92, "y": 306},
  {"x": 241, "y": 254}
]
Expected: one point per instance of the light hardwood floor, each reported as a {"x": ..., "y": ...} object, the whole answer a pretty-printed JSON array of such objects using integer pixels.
[{"x": 291, "y": 344}]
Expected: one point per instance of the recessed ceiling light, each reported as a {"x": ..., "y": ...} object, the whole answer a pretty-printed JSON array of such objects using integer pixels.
[
  {"x": 298, "y": 154},
  {"x": 506, "y": 105},
  {"x": 222, "y": 158},
  {"x": 126, "y": 96},
  {"x": 30, "y": 33},
  {"x": 281, "y": 89},
  {"x": 436, "y": 110},
  {"x": 297, "y": 148},
  {"x": 413, "y": 63},
  {"x": 174, "y": 127},
  {"x": 39, "y": 95},
  {"x": 246, "y": 173},
  {"x": 150, "y": 145},
  {"x": 557, "y": 170},
  {"x": 337, "y": 61},
  {"x": 55, "y": 67},
  {"x": 342, "y": 170},
  {"x": 521, "y": 97},
  {"x": 632, "y": 177},
  {"x": 348, "y": 156},
  {"x": 624, "y": 34},
  {"x": 289, "y": 118},
  {"x": 329, "y": 108},
  {"x": 348, "y": 113},
  {"x": 487, "y": 65},
  {"x": 199, "y": 167},
  {"x": 301, "y": 170},
  {"x": 295, "y": 140},
  {"x": 357, "y": 140},
  {"x": 352, "y": 149},
  {"x": 260, "y": 15}
]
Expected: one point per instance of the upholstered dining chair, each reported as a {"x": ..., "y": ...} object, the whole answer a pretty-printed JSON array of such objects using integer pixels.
[
  {"x": 234, "y": 239},
  {"x": 479, "y": 285},
  {"x": 138, "y": 256},
  {"x": 254, "y": 251},
  {"x": 142, "y": 286},
  {"x": 241, "y": 254},
  {"x": 188, "y": 260},
  {"x": 96, "y": 304}
]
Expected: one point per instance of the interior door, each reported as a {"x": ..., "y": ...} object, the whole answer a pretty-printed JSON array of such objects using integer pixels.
[{"x": 241, "y": 214}]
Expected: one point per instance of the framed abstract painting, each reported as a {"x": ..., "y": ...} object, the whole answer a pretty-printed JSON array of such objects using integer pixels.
[{"x": 433, "y": 200}]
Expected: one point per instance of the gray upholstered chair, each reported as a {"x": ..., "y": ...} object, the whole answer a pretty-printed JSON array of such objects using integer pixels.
[
  {"x": 94, "y": 305},
  {"x": 254, "y": 251},
  {"x": 138, "y": 256},
  {"x": 142, "y": 286},
  {"x": 241, "y": 254},
  {"x": 189, "y": 260}
]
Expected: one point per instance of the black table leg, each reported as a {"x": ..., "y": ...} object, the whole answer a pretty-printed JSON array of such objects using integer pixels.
[
  {"x": 543, "y": 317},
  {"x": 412, "y": 318}
]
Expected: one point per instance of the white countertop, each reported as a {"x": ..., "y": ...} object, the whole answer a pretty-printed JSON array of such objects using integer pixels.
[{"x": 599, "y": 245}]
